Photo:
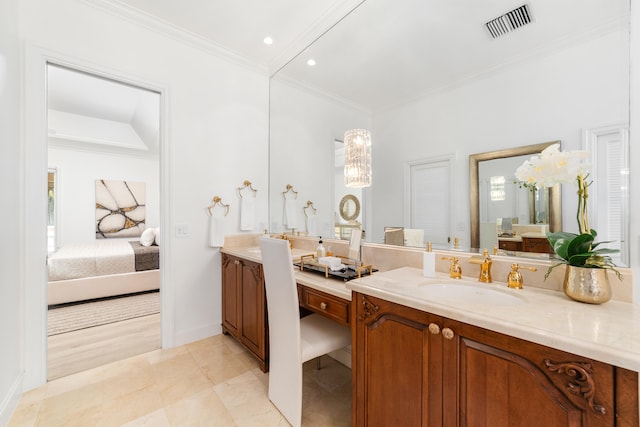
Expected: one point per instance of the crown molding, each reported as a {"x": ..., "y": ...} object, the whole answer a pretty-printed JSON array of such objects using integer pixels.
[
  {"x": 328, "y": 96},
  {"x": 160, "y": 26},
  {"x": 332, "y": 17}
]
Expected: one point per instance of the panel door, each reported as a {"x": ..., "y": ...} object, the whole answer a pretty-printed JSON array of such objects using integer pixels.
[
  {"x": 252, "y": 330},
  {"x": 398, "y": 365},
  {"x": 492, "y": 380},
  {"x": 230, "y": 294}
]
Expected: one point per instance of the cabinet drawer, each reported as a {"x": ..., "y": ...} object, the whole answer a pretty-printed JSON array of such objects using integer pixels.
[
  {"x": 536, "y": 244},
  {"x": 332, "y": 307},
  {"x": 510, "y": 245}
]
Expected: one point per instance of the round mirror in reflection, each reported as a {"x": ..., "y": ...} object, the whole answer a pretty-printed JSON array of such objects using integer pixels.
[{"x": 349, "y": 207}]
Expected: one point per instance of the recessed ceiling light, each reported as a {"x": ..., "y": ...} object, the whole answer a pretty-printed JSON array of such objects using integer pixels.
[
  {"x": 268, "y": 40},
  {"x": 311, "y": 62}
]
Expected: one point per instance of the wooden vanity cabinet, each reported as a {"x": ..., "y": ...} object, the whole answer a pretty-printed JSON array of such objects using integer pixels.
[
  {"x": 412, "y": 368},
  {"x": 510, "y": 245},
  {"x": 329, "y": 306},
  {"x": 244, "y": 309},
  {"x": 536, "y": 244}
]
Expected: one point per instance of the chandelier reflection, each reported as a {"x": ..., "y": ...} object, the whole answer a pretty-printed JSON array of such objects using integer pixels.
[{"x": 357, "y": 158}]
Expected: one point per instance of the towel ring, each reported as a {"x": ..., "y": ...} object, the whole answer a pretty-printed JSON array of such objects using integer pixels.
[
  {"x": 290, "y": 190},
  {"x": 309, "y": 206},
  {"x": 246, "y": 184},
  {"x": 217, "y": 201}
]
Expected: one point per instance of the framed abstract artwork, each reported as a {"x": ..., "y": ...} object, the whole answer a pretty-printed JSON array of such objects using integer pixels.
[{"x": 120, "y": 208}]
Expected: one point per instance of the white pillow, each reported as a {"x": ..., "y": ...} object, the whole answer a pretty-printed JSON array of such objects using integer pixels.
[
  {"x": 157, "y": 236},
  {"x": 148, "y": 236}
]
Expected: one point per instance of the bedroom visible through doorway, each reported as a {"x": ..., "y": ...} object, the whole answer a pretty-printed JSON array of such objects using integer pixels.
[{"x": 103, "y": 158}]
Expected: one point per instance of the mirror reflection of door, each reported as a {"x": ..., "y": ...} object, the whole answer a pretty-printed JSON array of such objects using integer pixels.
[
  {"x": 99, "y": 130},
  {"x": 429, "y": 201}
]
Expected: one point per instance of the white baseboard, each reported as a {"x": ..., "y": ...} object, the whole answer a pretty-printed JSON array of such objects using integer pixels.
[
  {"x": 343, "y": 356},
  {"x": 196, "y": 334},
  {"x": 10, "y": 401}
]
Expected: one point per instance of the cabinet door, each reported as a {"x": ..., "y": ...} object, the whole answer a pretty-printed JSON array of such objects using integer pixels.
[
  {"x": 492, "y": 380},
  {"x": 252, "y": 312},
  {"x": 398, "y": 374},
  {"x": 230, "y": 294}
]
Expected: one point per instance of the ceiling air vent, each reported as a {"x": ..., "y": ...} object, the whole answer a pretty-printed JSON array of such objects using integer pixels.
[{"x": 509, "y": 21}]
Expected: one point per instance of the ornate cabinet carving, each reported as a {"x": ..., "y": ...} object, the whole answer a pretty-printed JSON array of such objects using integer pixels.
[
  {"x": 244, "y": 311},
  {"x": 464, "y": 375}
]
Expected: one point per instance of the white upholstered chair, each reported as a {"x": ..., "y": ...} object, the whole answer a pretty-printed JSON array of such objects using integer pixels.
[{"x": 292, "y": 341}]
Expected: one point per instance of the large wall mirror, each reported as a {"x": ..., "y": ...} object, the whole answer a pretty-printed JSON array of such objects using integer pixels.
[
  {"x": 429, "y": 82},
  {"x": 495, "y": 198}
]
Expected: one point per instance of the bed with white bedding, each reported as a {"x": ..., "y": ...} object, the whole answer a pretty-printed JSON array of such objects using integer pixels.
[{"x": 100, "y": 269}]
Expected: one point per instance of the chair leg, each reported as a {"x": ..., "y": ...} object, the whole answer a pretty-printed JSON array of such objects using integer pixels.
[{"x": 318, "y": 363}]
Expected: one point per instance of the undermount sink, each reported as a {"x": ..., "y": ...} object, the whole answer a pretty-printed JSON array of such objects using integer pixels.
[{"x": 459, "y": 292}]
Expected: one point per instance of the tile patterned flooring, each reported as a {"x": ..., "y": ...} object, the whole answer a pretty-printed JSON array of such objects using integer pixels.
[{"x": 212, "y": 382}]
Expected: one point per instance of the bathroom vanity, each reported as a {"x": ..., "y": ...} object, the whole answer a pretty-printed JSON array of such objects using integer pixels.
[
  {"x": 244, "y": 305},
  {"x": 444, "y": 352},
  {"x": 435, "y": 352}
]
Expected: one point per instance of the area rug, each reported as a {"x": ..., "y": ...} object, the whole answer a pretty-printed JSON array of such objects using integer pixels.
[{"x": 101, "y": 312}]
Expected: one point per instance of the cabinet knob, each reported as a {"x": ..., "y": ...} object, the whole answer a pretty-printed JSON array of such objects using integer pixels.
[
  {"x": 447, "y": 333},
  {"x": 323, "y": 305},
  {"x": 434, "y": 329}
]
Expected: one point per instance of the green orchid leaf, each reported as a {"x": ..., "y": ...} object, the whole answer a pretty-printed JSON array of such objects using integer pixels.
[
  {"x": 579, "y": 260},
  {"x": 580, "y": 245},
  {"x": 560, "y": 243},
  {"x": 605, "y": 251}
]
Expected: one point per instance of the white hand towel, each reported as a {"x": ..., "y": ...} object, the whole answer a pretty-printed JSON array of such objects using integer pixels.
[
  {"x": 290, "y": 214},
  {"x": 247, "y": 213},
  {"x": 312, "y": 229},
  {"x": 216, "y": 231}
]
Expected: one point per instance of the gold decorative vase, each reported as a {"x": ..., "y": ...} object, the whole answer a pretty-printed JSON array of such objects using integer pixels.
[{"x": 590, "y": 285}]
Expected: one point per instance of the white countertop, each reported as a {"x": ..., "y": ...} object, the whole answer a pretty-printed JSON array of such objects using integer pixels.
[
  {"x": 608, "y": 332},
  {"x": 331, "y": 286}
]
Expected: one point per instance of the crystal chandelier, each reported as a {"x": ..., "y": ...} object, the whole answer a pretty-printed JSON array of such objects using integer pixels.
[{"x": 357, "y": 158}]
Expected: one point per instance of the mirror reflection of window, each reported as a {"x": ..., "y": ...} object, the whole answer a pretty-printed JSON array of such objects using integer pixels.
[
  {"x": 497, "y": 188},
  {"x": 51, "y": 210}
]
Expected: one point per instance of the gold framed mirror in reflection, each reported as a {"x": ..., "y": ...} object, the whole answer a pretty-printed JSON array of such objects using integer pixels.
[
  {"x": 349, "y": 207},
  {"x": 543, "y": 210}
]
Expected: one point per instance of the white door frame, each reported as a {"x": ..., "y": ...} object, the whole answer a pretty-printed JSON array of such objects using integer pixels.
[
  {"x": 34, "y": 165},
  {"x": 590, "y": 139},
  {"x": 448, "y": 158}
]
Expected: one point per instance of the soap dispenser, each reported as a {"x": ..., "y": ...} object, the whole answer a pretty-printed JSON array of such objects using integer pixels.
[
  {"x": 429, "y": 262},
  {"x": 320, "y": 250}
]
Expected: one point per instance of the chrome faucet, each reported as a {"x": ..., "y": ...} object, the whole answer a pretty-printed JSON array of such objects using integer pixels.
[{"x": 485, "y": 263}]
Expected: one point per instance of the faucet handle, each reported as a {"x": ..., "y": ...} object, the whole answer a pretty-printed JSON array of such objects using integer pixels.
[
  {"x": 455, "y": 271},
  {"x": 514, "y": 279}
]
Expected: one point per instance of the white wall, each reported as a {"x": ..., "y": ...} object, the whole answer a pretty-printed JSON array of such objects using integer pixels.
[
  {"x": 304, "y": 126},
  {"x": 634, "y": 149},
  {"x": 11, "y": 212},
  {"x": 539, "y": 101},
  {"x": 77, "y": 174},
  {"x": 217, "y": 134}
]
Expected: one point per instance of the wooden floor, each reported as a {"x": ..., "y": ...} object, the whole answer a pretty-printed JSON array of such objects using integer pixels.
[{"x": 92, "y": 347}]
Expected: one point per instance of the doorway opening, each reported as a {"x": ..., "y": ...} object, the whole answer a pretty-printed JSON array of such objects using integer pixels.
[{"x": 103, "y": 267}]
